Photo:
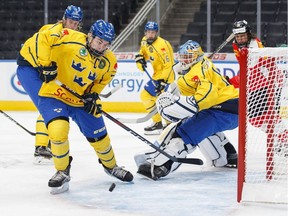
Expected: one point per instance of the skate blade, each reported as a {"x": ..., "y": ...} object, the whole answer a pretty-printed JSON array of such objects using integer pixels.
[
  {"x": 42, "y": 161},
  {"x": 61, "y": 189}
]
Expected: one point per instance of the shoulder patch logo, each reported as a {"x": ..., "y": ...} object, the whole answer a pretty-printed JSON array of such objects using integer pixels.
[
  {"x": 83, "y": 51},
  {"x": 196, "y": 79},
  {"x": 65, "y": 32}
]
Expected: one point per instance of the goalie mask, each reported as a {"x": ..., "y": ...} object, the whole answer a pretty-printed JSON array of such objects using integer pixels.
[
  {"x": 189, "y": 54},
  {"x": 100, "y": 37}
]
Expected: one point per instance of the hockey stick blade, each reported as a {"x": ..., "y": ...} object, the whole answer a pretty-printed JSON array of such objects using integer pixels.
[
  {"x": 116, "y": 88},
  {"x": 139, "y": 120},
  {"x": 13, "y": 120},
  {"x": 222, "y": 45},
  {"x": 194, "y": 161}
]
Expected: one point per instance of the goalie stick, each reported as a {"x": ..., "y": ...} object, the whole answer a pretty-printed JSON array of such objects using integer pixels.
[
  {"x": 222, "y": 45},
  {"x": 116, "y": 88},
  {"x": 195, "y": 161},
  {"x": 139, "y": 120},
  {"x": 174, "y": 90},
  {"x": 13, "y": 120}
]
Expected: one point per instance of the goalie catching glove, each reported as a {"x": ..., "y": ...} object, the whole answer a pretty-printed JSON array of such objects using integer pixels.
[
  {"x": 91, "y": 104},
  {"x": 174, "y": 108},
  {"x": 48, "y": 73}
]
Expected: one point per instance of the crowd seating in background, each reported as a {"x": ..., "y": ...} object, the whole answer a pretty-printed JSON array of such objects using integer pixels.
[
  {"x": 225, "y": 12},
  {"x": 21, "y": 19}
]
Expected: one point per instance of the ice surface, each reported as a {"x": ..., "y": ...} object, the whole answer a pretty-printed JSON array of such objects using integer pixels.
[{"x": 191, "y": 190}]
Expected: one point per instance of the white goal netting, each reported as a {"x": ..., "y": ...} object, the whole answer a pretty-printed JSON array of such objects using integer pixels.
[{"x": 265, "y": 171}]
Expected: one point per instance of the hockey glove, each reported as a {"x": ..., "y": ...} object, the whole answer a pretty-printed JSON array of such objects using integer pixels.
[
  {"x": 175, "y": 108},
  {"x": 91, "y": 104},
  {"x": 48, "y": 73},
  {"x": 159, "y": 86},
  {"x": 141, "y": 60}
]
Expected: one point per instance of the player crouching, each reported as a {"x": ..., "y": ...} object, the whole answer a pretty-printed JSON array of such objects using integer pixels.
[{"x": 208, "y": 105}]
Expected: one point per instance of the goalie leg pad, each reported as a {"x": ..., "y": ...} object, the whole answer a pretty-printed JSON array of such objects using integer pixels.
[
  {"x": 161, "y": 142},
  {"x": 161, "y": 166},
  {"x": 213, "y": 149}
]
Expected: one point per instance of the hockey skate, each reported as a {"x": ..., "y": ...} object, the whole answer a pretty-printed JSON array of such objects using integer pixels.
[
  {"x": 154, "y": 129},
  {"x": 232, "y": 160},
  {"x": 59, "y": 182},
  {"x": 119, "y": 173},
  {"x": 154, "y": 172},
  {"x": 42, "y": 155}
]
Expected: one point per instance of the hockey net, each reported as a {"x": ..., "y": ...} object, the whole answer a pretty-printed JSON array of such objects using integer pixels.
[{"x": 263, "y": 126}]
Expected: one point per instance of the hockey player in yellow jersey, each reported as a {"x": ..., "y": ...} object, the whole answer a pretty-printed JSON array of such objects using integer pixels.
[
  {"x": 84, "y": 64},
  {"x": 206, "y": 106},
  {"x": 72, "y": 19},
  {"x": 160, "y": 54}
]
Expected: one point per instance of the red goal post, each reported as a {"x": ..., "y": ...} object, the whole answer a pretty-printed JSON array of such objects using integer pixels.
[{"x": 263, "y": 126}]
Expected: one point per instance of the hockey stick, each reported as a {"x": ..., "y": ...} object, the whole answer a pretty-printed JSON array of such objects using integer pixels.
[
  {"x": 139, "y": 120},
  {"x": 174, "y": 89},
  {"x": 195, "y": 161},
  {"x": 9, "y": 117},
  {"x": 222, "y": 45},
  {"x": 116, "y": 88}
]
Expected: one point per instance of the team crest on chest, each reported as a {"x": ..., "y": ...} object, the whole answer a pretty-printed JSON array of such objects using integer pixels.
[
  {"x": 150, "y": 49},
  {"x": 102, "y": 64},
  {"x": 83, "y": 51}
]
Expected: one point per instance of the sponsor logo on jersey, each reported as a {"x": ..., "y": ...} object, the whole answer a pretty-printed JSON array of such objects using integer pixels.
[
  {"x": 83, "y": 51},
  {"x": 163, "y": 50},
  {"x": 58, "y": 110},
  {"x": 151, "y": 58}
]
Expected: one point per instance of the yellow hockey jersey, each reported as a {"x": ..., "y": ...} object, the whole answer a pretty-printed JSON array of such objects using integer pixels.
[
  {"x": 161, "y": 56},
  {"x": 55, "y": 27},
  {"x": 77, "y": 68},
  {"x": 206, "y": 84}
]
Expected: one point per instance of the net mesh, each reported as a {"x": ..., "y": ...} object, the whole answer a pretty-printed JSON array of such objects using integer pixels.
[{"x": 266, "y": 142}]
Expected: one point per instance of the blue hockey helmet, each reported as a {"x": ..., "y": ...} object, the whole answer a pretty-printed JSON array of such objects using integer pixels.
[
  {"x": 103, "y": 30},
  {"x": 150, "y": 25},
  {"x": 189, "y": 54},
  {"x": 74, "y": 13}
]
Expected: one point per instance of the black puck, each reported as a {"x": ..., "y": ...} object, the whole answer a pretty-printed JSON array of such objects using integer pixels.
[{"x": 111, "y": 188}]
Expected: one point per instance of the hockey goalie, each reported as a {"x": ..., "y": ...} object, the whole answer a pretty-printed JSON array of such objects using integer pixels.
[{"x": 206, "y": 106}]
